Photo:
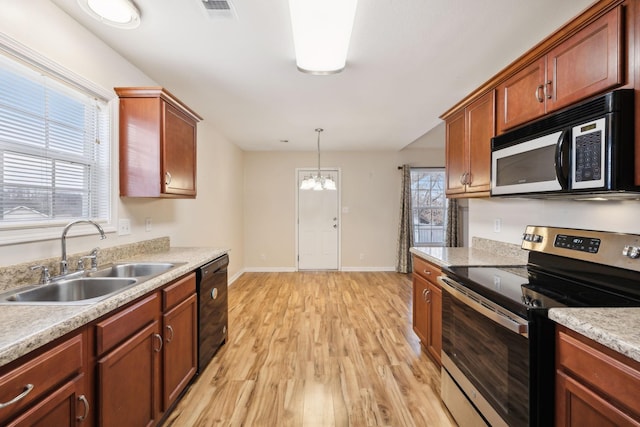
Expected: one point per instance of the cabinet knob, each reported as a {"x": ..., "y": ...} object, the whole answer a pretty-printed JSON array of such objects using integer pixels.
[{"x": 214, "y": 293}]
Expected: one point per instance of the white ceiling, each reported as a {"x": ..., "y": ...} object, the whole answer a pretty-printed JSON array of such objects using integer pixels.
[{"x": 408, "y": 62}]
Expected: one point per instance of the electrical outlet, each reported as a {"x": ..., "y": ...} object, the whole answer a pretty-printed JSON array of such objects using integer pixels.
[
  {"x": 361, "y": 256},
  {"x": 124, "y": 227},
  {"x": 497, "y": 225},
  {"x": 147, "y": 224}
]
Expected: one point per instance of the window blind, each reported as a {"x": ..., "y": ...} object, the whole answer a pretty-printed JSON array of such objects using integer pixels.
[{"x": 54, "y": 150}]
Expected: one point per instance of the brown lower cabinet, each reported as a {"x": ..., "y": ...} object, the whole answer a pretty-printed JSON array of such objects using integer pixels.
[
  {"x": 125, "y": 369},
  {"x": 595, "y": 386},
  {"x": 427, "y": 307}
]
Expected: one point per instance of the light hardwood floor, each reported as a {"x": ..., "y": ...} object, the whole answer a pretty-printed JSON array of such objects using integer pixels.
[{"x": 317, "y": 349}]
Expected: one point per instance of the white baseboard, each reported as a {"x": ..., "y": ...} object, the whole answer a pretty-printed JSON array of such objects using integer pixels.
[{"x": 368, "y": 269}]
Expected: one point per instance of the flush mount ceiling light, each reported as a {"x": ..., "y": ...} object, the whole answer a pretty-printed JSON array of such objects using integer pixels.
[
  {"x": 117, "y": 13},
  {"x": 321, "y": 33},
  {"x": 318, "y": 182}
]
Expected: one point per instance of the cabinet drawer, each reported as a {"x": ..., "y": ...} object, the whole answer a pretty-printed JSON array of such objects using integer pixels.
[
  {"x": 612, "y": 374},
  {"x": 125, "y": 323},
  {"x": 40, "y": 375},
  {"x": 178, "y": 291},
  {"x": 426, "y": 269}
]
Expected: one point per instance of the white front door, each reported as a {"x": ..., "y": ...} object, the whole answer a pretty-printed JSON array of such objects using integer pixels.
[{"x": 318, "y": 225}]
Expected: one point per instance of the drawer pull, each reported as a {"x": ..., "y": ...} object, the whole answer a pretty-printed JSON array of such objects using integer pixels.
[
  {"x": 27, "y": 390},
  {"x": 427, "y": 272},
  {"x": 85, "y": 402}
]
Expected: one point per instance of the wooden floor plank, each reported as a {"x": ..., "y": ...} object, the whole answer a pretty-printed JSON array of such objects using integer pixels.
[{"x": 317, "y": 349}]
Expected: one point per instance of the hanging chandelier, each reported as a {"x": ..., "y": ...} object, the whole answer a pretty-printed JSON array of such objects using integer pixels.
[{"x": 318, "y": 182}]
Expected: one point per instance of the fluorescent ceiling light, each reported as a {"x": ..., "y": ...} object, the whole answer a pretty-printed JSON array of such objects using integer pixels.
[
  {"x": 321, "y": 33},
  {"x": 117, "y": 13}
]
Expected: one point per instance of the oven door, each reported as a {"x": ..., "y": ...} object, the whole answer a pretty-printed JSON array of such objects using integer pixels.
[{"x": 486, "y": 351}]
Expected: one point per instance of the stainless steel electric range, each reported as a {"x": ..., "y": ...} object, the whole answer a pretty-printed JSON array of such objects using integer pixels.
[{"x": 497, "y": 341}]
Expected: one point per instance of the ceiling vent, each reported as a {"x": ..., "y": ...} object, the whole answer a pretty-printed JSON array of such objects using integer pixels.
[{"x": 219, "y": 8}]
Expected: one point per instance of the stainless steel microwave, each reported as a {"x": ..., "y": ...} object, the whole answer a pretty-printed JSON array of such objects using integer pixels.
[{"x": 584, "y": 149}]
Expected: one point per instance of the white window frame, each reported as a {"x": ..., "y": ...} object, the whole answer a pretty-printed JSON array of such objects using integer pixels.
[
  {"x": 32, "y": 232},
  {"x": 415, "y": 208}
]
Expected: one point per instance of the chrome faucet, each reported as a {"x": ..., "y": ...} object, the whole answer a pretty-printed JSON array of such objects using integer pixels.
[{"x": 64, "y": 266}]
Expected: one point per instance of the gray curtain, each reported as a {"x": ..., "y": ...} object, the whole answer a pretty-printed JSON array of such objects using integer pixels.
[
  {"x": 453, "y": 237},
  {"x": 405, "y": 229}
]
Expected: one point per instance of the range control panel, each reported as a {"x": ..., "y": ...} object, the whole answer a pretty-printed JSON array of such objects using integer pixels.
[
  {"x": 577, "y": 243},
  {"x": 610, "y": 248}
]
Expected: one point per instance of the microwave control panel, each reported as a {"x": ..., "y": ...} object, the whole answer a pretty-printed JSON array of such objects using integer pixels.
[{"x": 588, "y": 154}]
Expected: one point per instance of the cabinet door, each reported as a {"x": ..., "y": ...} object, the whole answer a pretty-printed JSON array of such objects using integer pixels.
[
  {"x": 420, "y": 309},
  {"x": 579, "y": 406},
  {"x": 434, "y": 301},
  {"x": 178, "y": 152},
  {"x": 521, "y": 98},
  {"x": 456, "y": 160},
  {"x": 180, "y": 349},
  {"x": 480, "y": 127},
  {"x": 66, "y": 406},
  {"x": 588, "y": 63},
  {"x": 128, "y": 381}
]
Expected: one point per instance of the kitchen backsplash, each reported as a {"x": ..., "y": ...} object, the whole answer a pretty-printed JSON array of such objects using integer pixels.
[
  {"x": 500, "y": 248},
  {"x": 17, "y": 275}
]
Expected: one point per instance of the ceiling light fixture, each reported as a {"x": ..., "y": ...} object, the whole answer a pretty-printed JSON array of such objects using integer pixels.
[
  {"x": 318, "y": 182},
  {"x": 321, "y": 33},
  {"x": 117, "y": 13}
]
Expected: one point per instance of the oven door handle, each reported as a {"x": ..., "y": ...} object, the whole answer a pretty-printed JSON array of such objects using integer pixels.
[{"x": 513, "y": 325}]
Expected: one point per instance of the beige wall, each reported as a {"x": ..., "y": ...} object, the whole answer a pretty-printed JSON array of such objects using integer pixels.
[
  {"x": 370, "y": 189},
  {"x": 214, "y": 218}
]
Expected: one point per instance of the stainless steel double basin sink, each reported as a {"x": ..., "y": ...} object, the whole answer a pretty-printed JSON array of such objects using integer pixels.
[{"x": 83, "y": 288}]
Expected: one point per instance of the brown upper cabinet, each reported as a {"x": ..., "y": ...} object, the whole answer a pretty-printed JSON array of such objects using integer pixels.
[
  {"x": 468, "y": 148},
  {"x": 587, "y": 63},
  {"x": 157, "y": 144}
]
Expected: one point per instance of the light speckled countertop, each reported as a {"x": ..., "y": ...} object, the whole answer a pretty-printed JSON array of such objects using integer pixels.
[
  {"x": 449, "y": 257},
  {"x": 616, "y": 328},
  {"x": 27, "y": 327}
]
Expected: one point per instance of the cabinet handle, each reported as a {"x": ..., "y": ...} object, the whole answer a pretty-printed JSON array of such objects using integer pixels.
[
  {"x": 170, "y": 329},
  {"x": 463, "y": 178},
  {"x": 427, "y": 299},
  {"x": 537, "y": 93},
  {"x": 27, "y": 390},
  {"x": 469, "y": 179},
  {"x": 427, "y": 272},
  {"x": 167, "y": 178},
  {"x": 214, "y": 293},
  {"x": 548, "y": 92},
  {"x": 157, "y": 350},
  {"x": 85, "y": 402}
]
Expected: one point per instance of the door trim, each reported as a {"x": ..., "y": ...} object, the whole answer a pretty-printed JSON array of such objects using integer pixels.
[{"x": 296, "y": 214}]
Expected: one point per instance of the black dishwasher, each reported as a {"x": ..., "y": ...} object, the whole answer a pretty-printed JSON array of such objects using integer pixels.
[{"x": 212, "y": 309}]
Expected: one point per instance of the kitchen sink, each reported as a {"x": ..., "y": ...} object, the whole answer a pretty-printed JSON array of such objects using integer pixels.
[
  {"x": 79, "y": 290},
  {"x": 85, "y": 288},
  {"x": 134, "y": 269}
]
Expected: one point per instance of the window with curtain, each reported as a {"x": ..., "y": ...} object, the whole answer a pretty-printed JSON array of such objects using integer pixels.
[
  {"x": 54, "y": 149},
  {"x": 428, "y": 206}
]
